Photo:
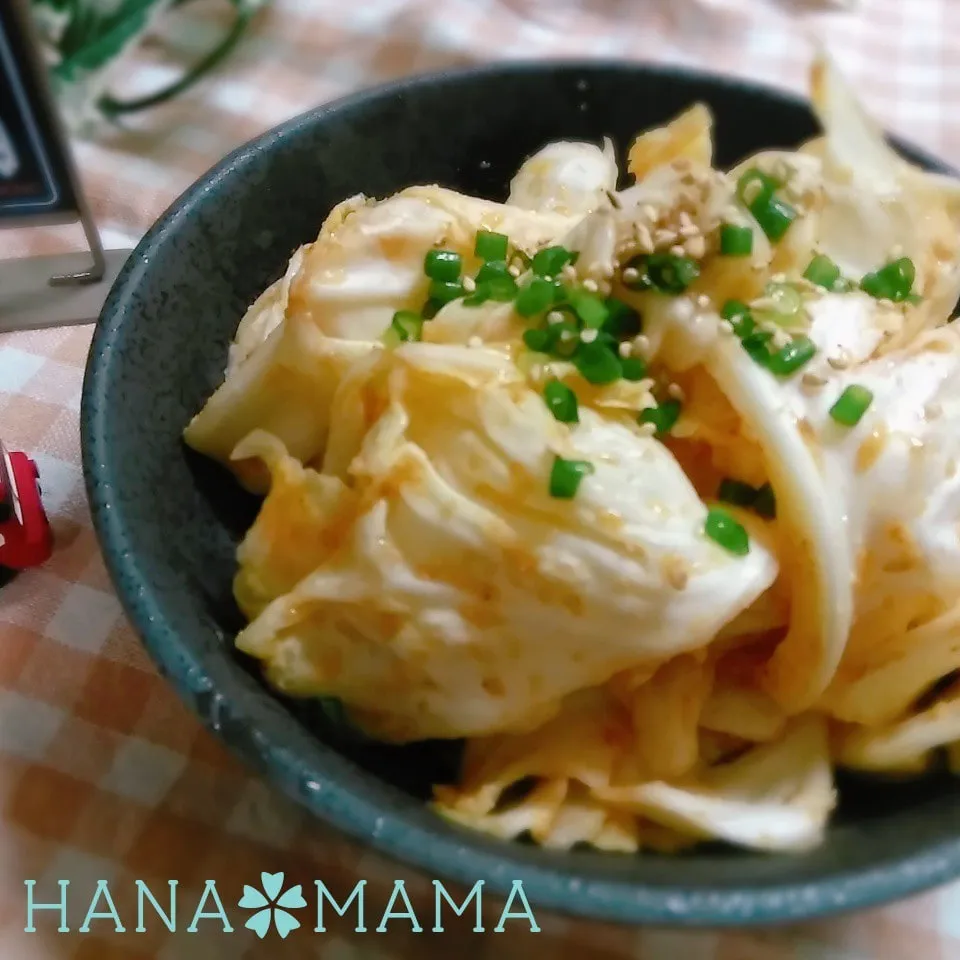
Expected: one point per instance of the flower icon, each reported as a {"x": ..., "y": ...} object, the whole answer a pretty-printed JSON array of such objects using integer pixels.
[{"x": 272, "y": 905}]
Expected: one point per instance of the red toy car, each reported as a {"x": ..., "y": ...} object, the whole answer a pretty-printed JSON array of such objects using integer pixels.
[{"x": 26, "y": 539}]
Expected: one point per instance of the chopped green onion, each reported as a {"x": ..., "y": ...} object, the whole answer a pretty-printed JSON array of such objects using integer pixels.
[
  {"x": 663, "y": 272},
  {"x": 757, "y": 345},
  {"x": 407, "y": 325},
  {"x": 443, "y": 265},
  {"x": 823, "y": 272},
  {"x": 739, "y": 316},
  {"x": 891, "y": 282},
  {"x": 663, "y": 417},
  {"x": 566, "y": 339},
  {"x": 562, "y": 402},
  {"x": 791, "y": 357},
  {"x": 745, "y": 189},
  {"x": 736, "y": 241},
  {"x": 551, "y": 260},
  {"x": 534, "y": 297},
  {"x": 590, "y": 308},
  {"x": 480, "y": 296},
  {"x": 431, "y": 308},
  {"x": 493, "y": 270},
  {"x": 494, "y": 282},
  {"x": 491, "y": 246},
  {"x": 443, "y": 291},
  {"x": 765, "y": 502},
  {"x": 633, "y": 368},
  {"x": 541, "y": 340},
  {"x": 724, "y": 530},
  {"x": 623, "y": 322},
  {"x": 565, "y": 477},
  {"x": 737, "y": 492},
  {"x": 785, "y": 299},
  {"x": 597, "y": 363},
  {"x": 851, "y": 405},
  {"x": 773, "y": 214}
]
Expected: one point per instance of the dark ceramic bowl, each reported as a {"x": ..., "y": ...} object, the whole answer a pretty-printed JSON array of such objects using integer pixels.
[{"x": 169, "y": 522}]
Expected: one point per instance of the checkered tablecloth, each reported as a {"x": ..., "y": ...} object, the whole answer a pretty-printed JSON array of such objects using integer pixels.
[{"x": 103, "y": 774}]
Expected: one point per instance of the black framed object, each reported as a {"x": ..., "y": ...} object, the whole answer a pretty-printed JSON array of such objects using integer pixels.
[{"x": 37, "y": 184}]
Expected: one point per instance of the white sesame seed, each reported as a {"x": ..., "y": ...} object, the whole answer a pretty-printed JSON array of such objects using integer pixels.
[
  {"x": 649, "y": 211},
  {"x": 916, "y": 443},
  {"x": 513, "y": 270},
  {"x": 812, "y": 380},
  {"x": 896, "y": 251},
  {"x": 631, "y": 274},
  {"x": 567, "y": 335},
  {"x": 703, "y": 301},
  {"x": 691, "y": 230},
  {"x": 779, "y": 278},
  {"x": 554, "y": 316},
  {"x": 886, "y": 302},
  {"x": 663, "y": 238},
  {"x": 624, "y": 349},
  {"x": 780, "y": 338},
  {"x": 588, "y": 336},
  {"x": 676, "y": 391},
  {"x": 726, "y": 327},
  {"x": 469, "y": 284},
  {"x": 677, "y": 250},
  {"x": 696, "y": 247},
  {"x": 590, "y": 284},
  {"x": 839, "y": 362},
  {"x": 607, "y": 270},
  {"x": 641, "y": 343},
  {"x": 647, "y": 429},
  {"x": 685, "y": 219}
]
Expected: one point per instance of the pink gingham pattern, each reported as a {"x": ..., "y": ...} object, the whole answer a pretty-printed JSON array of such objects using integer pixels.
[{"x": 103, "y": 774}]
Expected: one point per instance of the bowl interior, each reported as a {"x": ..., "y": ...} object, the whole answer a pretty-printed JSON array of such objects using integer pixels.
[{"x": 170, "y": 521}]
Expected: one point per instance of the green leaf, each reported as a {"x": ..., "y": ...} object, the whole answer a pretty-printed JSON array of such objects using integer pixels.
[{"x": 93, "y": 40}]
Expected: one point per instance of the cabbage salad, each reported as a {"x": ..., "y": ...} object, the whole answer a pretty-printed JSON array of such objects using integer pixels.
[{"x": 650, "y": 494}]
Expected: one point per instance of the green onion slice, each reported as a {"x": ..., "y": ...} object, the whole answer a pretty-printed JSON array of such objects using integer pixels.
[
  {"x": 739, "y": 316},
  {"x": 823, "y": 272},
  {"x": 891, "y": 282},
  {"x": 490, "y": 245},
  {"x": 566, "y": 475},
  {"x": 759, "y": 499},
  {"x": 561, "y": 401},
  {"x": 737, "y": 492},
  {"x": 753, "y": 185},
  {"x": 591, "y": 309},
  {"x": 773, "y": 214},
  {"x": 535, "y": 297},
  {"x": 791, "y": 357},
  {"x": 597, "y": 363},
  {"x": 757, "y": 344},
  {"x": 551, "y": 260},
  {"x": 663, "y": 272},
  {"x": 540, "y": 340},
  {"x": 431, "y": 308},
  {"x": 443, "y": 265},
  {"x": 851, "y": 405},
  {"x": 623, "y": 322},
  {"x": 443, "y": 291},
  {"x": 765, "y": 503},
  {"x": 723, "y": 529},
  {"x": 786, "y": 302},
  {"x": 407, "y": 325},
  {"x": 736, "y": 241},
  {"x": 663, "y": 417},
  {"x": 633, "y": 368}
]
